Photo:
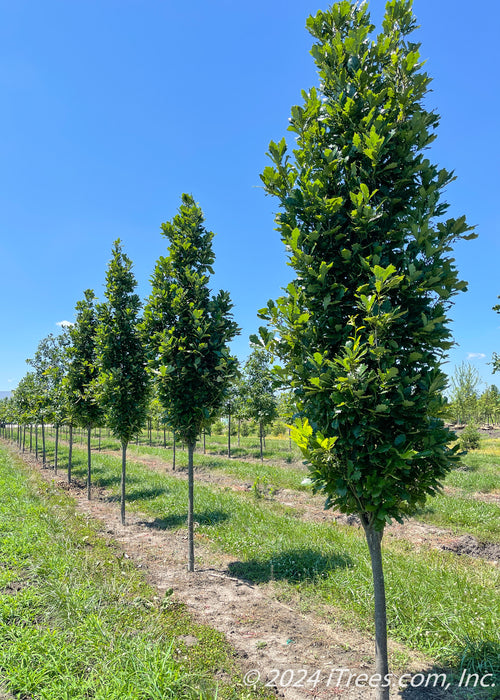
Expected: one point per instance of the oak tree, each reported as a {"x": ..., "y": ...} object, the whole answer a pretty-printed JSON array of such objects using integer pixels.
[
  {"x": 81, "y": 380},
  {"x": 362, "y": 330},
  {"x": 188, "y": 331},
  {"x": 123, "y": 383}
]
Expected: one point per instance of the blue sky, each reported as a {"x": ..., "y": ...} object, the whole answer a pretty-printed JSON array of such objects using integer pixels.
[{"x": 112, "y": 108}]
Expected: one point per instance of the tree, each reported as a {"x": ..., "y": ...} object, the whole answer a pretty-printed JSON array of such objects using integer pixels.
[
  {"x": 49, "y": 363},
  {"x": 489, "y": 404},
  {"x": 81, "y": 379},
  {"x": 287, "y": 410},
  {"x": 496, "y": 357},
  {"x": 362, "y": 329},
  {"x": 123, "y": 385},
  {"x": 233, "y": 405},
  {"x": 258, "y": 391},
  {"x": 24, "y": 397},
  {"x": 189, "y": 331},
  {"x": 465, "y": 393}
]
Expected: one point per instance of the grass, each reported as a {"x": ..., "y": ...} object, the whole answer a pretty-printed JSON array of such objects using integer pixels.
[
  {"x": 440, "y": 604},
  {"x": 77, "y": 620},
  {"x": 277, "y": 448},
  {"x": 463, "y": 515},
  {"x": 459, "y": 511},
  {"x": 480, "y": 469}
]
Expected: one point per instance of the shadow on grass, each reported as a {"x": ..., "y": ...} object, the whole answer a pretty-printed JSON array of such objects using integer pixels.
[
  {"x": 207, "y": 517},
  {"x": 139, "y": 495},
  {"x": 293, "y": 565},
  {"x": 476, "y": 675},
  {"x": 107, "y": 481}
]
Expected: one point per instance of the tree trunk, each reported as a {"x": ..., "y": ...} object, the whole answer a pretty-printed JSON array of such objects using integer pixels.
[
  {"x": 124, "y": 469},
  {"x": 190, "y": 507},
  {"x": 164, "y": 437},
  {"x": 374, "y": 540},
  {"x": 204, "y": 441},
  {"x": 89, "y": 462},
  {"x": 43, "y": 444},
  {"x": 56, "y": 448},
  {"x": 24, "y": 438},
  {"x": 36, "y": 441},
  {"x": 260, "y": 438},
  {"x": 99, "y": 448},
  {"x": 31, "y": 437},
  {"x": 239, "y": 426},
  {"x": 229, "y": 433},
  {"x": 70, "y": 451},
  {"x": 173, "y": 456}
]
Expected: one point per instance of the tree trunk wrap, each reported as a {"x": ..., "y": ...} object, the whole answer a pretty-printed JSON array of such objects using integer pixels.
[
  {"x": 124, "y": 470},
  {"x": 89, "y": 459},
  {"x": 191, "y": 446},
  {"x": 374, "y": 541},
  {"x": 56, "y": 448},
  {"x": 70, "y": 452},
  {"x": 43, "y": 444}
]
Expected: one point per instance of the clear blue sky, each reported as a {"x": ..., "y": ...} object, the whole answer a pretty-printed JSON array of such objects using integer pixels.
[{"x": 112, "y": 108}]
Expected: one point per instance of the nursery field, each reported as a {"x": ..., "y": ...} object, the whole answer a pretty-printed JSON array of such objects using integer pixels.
[{"x": 282, "y": 584}]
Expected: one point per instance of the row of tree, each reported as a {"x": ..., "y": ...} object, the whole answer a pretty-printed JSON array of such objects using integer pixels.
[
  {"x": 105, "y": 369},
  {"x": 467, "y": 403},
  {"x": 253, "y": 404},
  {"x": 362, "y": 330}
]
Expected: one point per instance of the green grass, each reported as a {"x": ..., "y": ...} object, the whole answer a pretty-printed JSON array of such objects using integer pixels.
[
  {"x": 463, "y": 515},
  {"x": 480, "y": 469},
  {"x": 277, "y": 448},
  {"x": 438, "y": 603},
  {"x": 276, "y": 475},
  {"x": 459, "y": 512},
  {"x": 77, "y": 620}
]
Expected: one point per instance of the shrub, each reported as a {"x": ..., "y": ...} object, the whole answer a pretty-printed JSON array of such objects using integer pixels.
[{"x": 469, "y": 438}]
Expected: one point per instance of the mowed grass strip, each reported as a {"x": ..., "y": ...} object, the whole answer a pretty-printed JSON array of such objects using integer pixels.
[
  {"x": 77, "y": 620},
  {"x": 460, "y": 512},
  {"x": 270, "y": 474},
  {"x": 440, "y": 604}
]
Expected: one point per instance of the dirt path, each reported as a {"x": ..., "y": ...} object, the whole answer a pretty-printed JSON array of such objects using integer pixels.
[{"x": 276, "y": 641}]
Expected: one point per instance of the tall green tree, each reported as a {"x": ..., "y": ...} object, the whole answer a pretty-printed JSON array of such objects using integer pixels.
[
  {"x": 489, "y": 404},
  {"x": 258, "y": 390},
  {"x": 50, "y": 365},
  {"x": 189, "y": 330},
  {"x": 123, "y": 380},
  {"x": 25, "y": 399},
  {"x": 81, "y": 379},
  {"x": 464, "y": 393},
  {"x": 233, "y": 404},
  {"x": 362, "y": 330}
]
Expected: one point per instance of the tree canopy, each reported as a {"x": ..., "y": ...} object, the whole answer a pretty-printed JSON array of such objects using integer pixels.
[
  {"x": 188, "y": 328},
  {"x": 362, "y": 329}
]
